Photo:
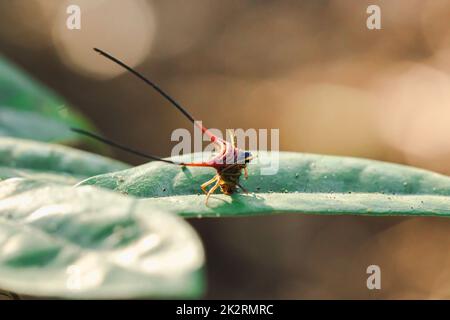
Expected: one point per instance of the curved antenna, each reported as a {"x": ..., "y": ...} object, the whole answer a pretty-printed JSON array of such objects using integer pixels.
[
  {"x": 119, "y": 146},
  {"x": 159, "y": 90},
  {"x": 153, "y": 85}
]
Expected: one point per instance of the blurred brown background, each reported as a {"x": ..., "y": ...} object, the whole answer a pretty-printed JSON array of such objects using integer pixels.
[{"x": 310, "y": 68}]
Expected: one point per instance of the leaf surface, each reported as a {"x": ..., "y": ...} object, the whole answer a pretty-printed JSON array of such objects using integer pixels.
[
  {"x": 26, "y": 158},
  {"x": 30, "y": 110},
  {"x": 304, "y": 183},
  {"x": 60, "y": 241}
]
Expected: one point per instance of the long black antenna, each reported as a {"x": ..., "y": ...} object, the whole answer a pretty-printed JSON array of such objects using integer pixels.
[
  {"x": 153, "y": 85},
  {"x": 119, "y": 146}
]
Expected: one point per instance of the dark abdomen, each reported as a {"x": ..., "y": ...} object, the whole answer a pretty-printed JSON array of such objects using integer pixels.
[{"x": 229, "y": 178}]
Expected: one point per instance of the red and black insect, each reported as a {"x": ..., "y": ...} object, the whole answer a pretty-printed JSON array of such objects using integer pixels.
[{"x": 228, "y": 162}]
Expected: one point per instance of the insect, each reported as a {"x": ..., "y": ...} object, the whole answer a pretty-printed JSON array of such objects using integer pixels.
[{"x": 229, "y": 162}]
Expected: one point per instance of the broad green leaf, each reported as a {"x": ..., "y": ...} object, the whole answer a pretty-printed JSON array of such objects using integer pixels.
[
  {"x": 43, "y": 160},
  {"x": 60, "y": 177},
  {"x": 61, "y": 241},
  {"x": 32, "y": 125},
  {"x": 30, "y": 110},
  {"x": 304, "y": 183}
]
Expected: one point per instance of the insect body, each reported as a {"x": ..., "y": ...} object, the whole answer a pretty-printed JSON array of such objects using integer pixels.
[{"x": 229, "y": 162}]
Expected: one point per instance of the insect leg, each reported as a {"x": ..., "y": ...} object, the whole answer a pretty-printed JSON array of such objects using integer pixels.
[
  {"x": 211, "y": 191},
  {"x": 245, "y": 172},
  {"x": 207, "y": 183},
  {"x": 243, "y": 189}
]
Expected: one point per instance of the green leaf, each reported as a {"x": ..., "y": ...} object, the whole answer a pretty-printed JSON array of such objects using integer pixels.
[
  {"x": 304, "y": 183},
  {"x": 60, "y": 177},
  {"x": 26, "y": 158},
  {"x": 31, "y": 125},
  {"x": 60, "y": 241},
  {"x": 30, "y": 110}
]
